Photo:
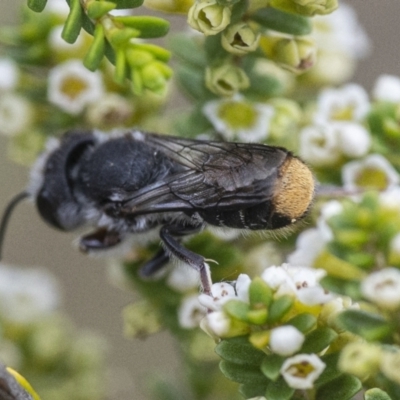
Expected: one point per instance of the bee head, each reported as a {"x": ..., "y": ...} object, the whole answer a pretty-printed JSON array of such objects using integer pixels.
[
  {"x": 295, "y": 189},
  {"x": 53, "y": 181}
]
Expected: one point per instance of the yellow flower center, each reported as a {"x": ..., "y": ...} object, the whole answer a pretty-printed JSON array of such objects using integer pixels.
[
  {"x": 343, "y": 114},
  {"x": 237, "y": 115},
  {"x": 371, "y": 177},
  {"x": 300, "y": 370},
  {"x": 73, "y": 86}
]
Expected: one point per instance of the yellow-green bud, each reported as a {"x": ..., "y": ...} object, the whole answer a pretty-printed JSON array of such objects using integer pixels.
[
  {"x": 155, "y": 76},
  {"x": 208, "y": 17},
  {"x": 173, "y": 6},
  {"x": 390, "y": 365},
  {"x": 360, "y": 359},
  {"x": 240, "y": 39},
  {"x": 226, "y": 80},
  {"x": 306, "y": 7},
  {"x": 292, "y": 53}
]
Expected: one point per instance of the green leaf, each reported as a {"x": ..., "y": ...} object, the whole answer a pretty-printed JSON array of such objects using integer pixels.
[
  {"x": 73, "y": 24},
  {"x": 376, "y": 394},
  {"x": 96, "y": 51},
  {"x": 279, "y": 308},
  {"x": 214, "y": 50},
  {"x": 318, "y": 339},
  {"x": 97, "y": 9},
  {"x": 238, "y": 11},
  {"x": 260, "y": 292},
  {"x": 342, "y": 286},
  {"x": 37, "y": 5},
  {"x": 242, "y": 373},
  {"x": 239, "y": 350},
  {"x": 344, "y": 387},
  {"x": 271, "y": 366},
  {"x": 188, "y": 50},
  {"x": 237, "y": 309},
  {"x": 303, "y": 322},
  {"x": 279, "y": 390},
  {"x": 249, "y": 391},
  {"x": 282, "y": 21},
  {"x": 149, "y": 27},
  {"x": 125, "y": 4},
  {"x": 331, "y": 371},
  {"x": 192, "y": 82},
  {"x": 371, "y": 327}
]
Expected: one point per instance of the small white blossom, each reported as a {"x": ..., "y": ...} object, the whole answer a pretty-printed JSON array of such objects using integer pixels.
[
  {"x": 302, "y": 370},
  {"x": 319, "y": 145},
  {"x": 349, "y": 103},
  {"x": 9, "y": 74},
  {"x": 383, "y": 288},
  {"x": 191, "y": 312},
  {"x": 221, "y": 292},
  {"x": 309, "y": 245},
  {"x": 242, "y": 287},
  {"x": 286, "y": 340},
  {"x": 16, "y": 114},
  {"x": 301, "y": 282},
  {"x": 183, "y": 279},
  {"x": 111, "y": 110},
  {"x": 374, "y": 170},
  {"x": 58, "y": 7},
  {"x": 353, "y": 139},
  {"x": 390, "y": 198},
  {"x": 240, "y": 119},
  {"x": 216, "y": 324},
  {"x": 341, "y": 32},
  {"x": 328, "y": 210},
  {"x": 387, "y": 88},
  {"x": 26, "y": 294},
  {"x": 395, "y": 244},
  {"x": 72, "y": 87}
]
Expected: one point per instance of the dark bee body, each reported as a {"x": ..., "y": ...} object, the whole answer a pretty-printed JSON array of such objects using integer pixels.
[{"x": 133, "y": 182}]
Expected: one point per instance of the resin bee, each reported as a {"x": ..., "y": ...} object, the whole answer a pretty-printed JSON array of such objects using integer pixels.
[{"x": 133, "y": 182}]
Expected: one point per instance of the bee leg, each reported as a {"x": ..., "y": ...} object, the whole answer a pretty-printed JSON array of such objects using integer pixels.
[
  {"x": 102, "y": 239},
  {"x": 155, "y": 264},
  {"x": 181, "y": 253}
]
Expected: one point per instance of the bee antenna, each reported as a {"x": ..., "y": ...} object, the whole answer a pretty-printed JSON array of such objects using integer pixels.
[{"x": 7, "y": 214}]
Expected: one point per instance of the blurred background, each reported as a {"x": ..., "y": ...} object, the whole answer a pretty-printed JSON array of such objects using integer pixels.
[{"x": 89, "y": 299}]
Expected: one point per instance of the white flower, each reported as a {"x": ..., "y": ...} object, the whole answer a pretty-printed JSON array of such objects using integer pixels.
[
  {"x": 191, "y": 312},
  {"x": 349, "y": 103},
  {"x": 72, "y": 87},
  {"x": 390, "y": 198},
  {"x": 319, "y": 145},
  {"x": 328, "y": 210},
  {"x": 26, "y": 294},
  {"x": 309, "y": 245},
  {"x": 301, "y": 282},
  {"x": 240, "y": 119},
  {"x": 183, "y": 278},
  {"x": 341, "y": 32},
  {"x": 111, "y": 110},
  {"x": 221, "y": 292},
  {"x": 353, "y": 139},
  {"x": 395, "y": 244},
  {"x": 387, "y": 88},
  {"x": 8, "y": 74},
  {"x": 16, "y": 114},
  {"x": 373, "y": 171},
  {"x": 242, "y": 287},
  {"x": 216, "y": 324},
  {"x": 58, "y": 7},
  {"x": 286, "y": 340},
  {"x": 383, "y": 288},
  {"x": 302, "y": 370}
]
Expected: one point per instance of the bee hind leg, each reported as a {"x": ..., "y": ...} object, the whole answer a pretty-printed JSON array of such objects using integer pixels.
[
  {"x": 196, "y": 261},
  {"x": 154, "y": 265}
]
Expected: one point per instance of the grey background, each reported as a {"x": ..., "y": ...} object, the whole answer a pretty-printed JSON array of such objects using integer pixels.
[{"x": 88, "y": 298}]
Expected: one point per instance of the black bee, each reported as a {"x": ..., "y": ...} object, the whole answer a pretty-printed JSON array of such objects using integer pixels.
[{"x": 133, "y": 182}]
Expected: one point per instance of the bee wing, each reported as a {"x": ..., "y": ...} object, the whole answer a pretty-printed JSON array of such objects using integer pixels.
[{"x": 216, "y": 174}]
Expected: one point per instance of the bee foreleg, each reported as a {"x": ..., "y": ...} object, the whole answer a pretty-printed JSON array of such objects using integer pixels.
[
  {"x": 155, "y": 264},
  {"x": 181, "y": 253},
  {"x": 102, "y": 239}
]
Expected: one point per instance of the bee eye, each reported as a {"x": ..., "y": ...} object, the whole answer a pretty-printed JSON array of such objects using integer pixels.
[{"x": 48, "y": 209}]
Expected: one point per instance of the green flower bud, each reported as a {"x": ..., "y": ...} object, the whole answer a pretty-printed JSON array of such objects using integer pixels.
[
  {"x": 306, "y": 7},
  {"x": 360, "y": 359},
  {"x": 155, "y": 76},
  {"x": 226, "y": 80},
  {"x": 240, "y": 39},
  {"x": 208, "y": 17},
  {"x": 292, "y": 53}
]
